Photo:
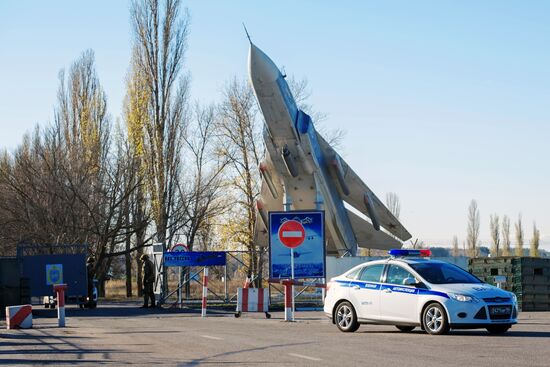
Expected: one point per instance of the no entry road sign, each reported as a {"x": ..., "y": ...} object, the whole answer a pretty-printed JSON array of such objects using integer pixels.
[
  {"x": 296, "y": 238},
  {"x": 292, "y": 233}
]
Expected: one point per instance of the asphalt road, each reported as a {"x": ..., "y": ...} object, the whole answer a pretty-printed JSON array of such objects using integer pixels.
[{"x": 119, "y": 334}]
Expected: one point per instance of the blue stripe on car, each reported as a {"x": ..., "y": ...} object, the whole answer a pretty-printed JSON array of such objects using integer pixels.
[
  {"x": 394, "y": 288},
  {"x": 343, "y": 283},
  {"x": 433, "y": 293}
]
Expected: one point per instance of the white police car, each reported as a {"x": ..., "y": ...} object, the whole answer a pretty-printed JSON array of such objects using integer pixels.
[{"x": 411, "y": 292}]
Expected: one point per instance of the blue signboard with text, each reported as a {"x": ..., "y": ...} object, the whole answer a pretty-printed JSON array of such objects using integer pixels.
[
  {"x": 194, "y": 258},
  {"x": 301, "y": 233}
]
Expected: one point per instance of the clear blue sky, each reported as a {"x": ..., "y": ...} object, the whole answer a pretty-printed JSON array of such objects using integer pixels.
[{"x": 442, "y": 101}]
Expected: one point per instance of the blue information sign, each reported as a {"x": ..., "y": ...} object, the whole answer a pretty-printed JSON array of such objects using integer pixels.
[
  {"x": 304, "y": 231},
  {"x": 194, "y": 258}
]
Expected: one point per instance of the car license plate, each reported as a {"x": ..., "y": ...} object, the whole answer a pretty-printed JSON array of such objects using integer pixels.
[{"x": 500, "y": 310}]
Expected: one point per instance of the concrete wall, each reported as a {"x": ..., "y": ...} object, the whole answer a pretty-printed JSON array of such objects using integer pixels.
[{"x": 339, "y": 265}]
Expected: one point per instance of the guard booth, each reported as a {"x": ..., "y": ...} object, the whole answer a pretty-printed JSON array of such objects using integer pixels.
[{"x": 46, "y": 265}]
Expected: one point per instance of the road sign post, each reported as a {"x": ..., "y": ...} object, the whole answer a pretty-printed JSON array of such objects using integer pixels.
[
  {"x": 291, "y": 234},
  {"x": 179, "y": 247},
  {"x": 292, "y": 277}
]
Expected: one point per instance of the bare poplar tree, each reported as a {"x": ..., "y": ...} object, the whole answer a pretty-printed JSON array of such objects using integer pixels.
[
  {"x": 81, "y": 119},
  {"x": 534, "y": 248},
  {"x": 473, "y": 229},
  {"x": 417, "y": 244},
  {"x": 505, "y": 230},
  {"x": 519, "y": 237},
  {"x": 160, "y": 41},
  {"x": 455, "y": 247},
  {"x": 495, "y": 234},
  {"x": 392, "y": 201},
  {"x": 82, "y": 113},
  {"x": 137, "y": 118},
  {"x": 200, "y": 187},
  {"x": 203, "y": 181},
  {"x": 240, "y": 145}
]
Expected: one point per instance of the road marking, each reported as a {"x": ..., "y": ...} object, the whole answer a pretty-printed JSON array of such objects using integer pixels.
[
  {"x": 304, "y": 357},
  {"x": 211, "y": 337}
]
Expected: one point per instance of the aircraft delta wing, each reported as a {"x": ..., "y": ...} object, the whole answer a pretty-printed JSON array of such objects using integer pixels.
[
  {"x": 302, "y": 169},
  {"x": 360, "y": 196}
]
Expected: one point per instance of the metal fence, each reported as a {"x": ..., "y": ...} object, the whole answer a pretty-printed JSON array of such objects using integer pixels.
[
  {"x": 51, "y": 249},
  {"x": 185, "y": 283}
]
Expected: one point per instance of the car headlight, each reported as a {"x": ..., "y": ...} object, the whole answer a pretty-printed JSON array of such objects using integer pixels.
[
  {"x": 514, "y": 297},
  {"x": 463, "y": 298}
]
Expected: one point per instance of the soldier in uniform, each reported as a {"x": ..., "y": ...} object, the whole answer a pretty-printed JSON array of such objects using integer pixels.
[{"x": 148, "y": 272}]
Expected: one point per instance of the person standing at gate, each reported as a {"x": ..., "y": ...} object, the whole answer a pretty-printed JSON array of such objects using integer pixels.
[{"x": 148, "y": 271}]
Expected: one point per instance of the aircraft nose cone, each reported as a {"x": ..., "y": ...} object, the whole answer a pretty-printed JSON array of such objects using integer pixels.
[{"x": 261, "y": 68}]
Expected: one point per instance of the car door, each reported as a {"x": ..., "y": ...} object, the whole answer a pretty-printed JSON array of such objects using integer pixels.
[
  {"x": 398, "y": 302},
  {"x": 365, "y": 291}
]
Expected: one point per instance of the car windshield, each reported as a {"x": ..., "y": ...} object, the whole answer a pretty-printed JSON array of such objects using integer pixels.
[{"x": 443, "y": 273}]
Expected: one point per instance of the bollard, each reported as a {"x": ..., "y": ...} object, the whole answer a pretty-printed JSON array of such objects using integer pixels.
[
  {"x": 289, "y": 312},
  {"x": 59, "y": 289},
  {"x": 204, "y": 292},
  {"x": 289, "y": 293}
]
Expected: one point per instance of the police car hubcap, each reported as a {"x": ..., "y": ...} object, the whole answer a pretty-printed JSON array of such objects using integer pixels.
[
  {"x": 434, "y": 319},
  {"x": 344, "y": 316}
]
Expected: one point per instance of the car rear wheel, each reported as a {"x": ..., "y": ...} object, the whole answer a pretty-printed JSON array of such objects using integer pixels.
[
  {"x": 346, "y": 318},
  {"x": 434, "y": 319},
  {"x": 405, "y": 329},
  {"x": 498, "y": 329}
]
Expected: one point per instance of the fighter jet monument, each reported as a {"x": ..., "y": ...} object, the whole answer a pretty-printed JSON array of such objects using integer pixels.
[{"x": 302, "y": 171}]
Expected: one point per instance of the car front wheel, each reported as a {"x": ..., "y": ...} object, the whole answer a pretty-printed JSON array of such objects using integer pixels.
[
  {"x": 434, "y": 319},
  {"x": 346, "y": 318}
]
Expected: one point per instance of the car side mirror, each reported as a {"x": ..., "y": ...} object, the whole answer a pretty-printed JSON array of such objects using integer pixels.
[{"x": 410, "y": 281}]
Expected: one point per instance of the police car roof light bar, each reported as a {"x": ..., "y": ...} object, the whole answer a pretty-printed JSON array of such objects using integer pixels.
[{"x": 400, "y": 252}]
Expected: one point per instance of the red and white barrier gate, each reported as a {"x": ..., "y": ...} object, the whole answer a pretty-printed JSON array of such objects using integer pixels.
[
  {"x": 19, "y": 317},
  {"x": 252, "y": 300}
]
